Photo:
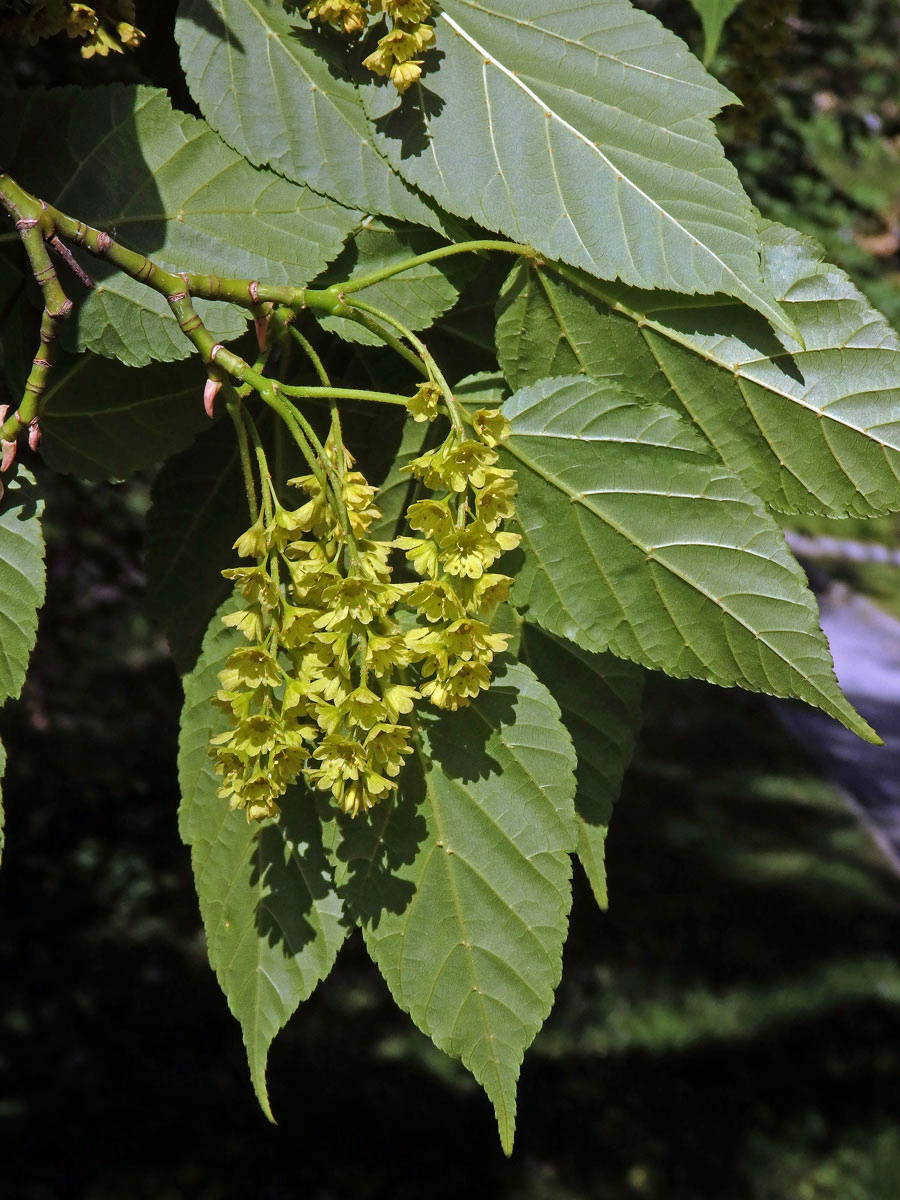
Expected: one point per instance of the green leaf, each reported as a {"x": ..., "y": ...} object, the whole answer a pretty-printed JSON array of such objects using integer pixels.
[
  {"x": 600, "y": 700},
  {"x": 486, "y": 389},
  {"x": 463, "y": 885},
  {"x": 713, "y": 14},
  {"x": 101, "y": 420},
  {"x": 636, "y": 541},
  {"x": 272, "y": 918},
  {"x": 162, "y": 181},
  {"x": 583, "y": 130},
  {"x": 278, "y": 92},
  {"x": 198, "y": 509},
  {"x": 418, "y": 296},
  {"x": 809, "y": 430},
  {"x": 21, "y": 579}
]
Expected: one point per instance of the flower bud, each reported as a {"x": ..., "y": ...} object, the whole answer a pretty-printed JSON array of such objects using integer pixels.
[{"x": 210, "y": 391}]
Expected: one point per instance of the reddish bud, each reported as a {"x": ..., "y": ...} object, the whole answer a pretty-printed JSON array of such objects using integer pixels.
[
  {"x": 4, "y": 409},
  {"x": 210, "y": 391},
  {"x": 34, "y": 434},
  {"x": 9, "y": 455},
  {"x": 261, "y": 324}
]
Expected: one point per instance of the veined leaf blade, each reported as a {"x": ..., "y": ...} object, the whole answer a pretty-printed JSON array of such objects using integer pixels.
[
  {"x": 273, "y": 921},
  {"x": 599, "y": 697},
  {"x": 22, "y": 579},
  {"x": 280, "y": 95},
  {"x": 169, "y": 188},
  {"x": 636, "y": 541},
  {"x": 418, "y": 296},
  {"x": 480, "y": 841},
  {"x": 585, "y": 131},
  {"x": 102, "y": 420},
  {"x": 813, "y": 429}
]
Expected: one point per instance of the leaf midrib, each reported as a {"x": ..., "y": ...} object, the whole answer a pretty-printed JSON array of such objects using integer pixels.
[
  {"x": 543, "y": 31},
  {"x": 550, "y": 112},
  {"x": 580, "y": 499}
]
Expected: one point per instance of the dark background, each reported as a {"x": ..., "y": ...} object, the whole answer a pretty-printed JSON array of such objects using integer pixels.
[{"x": 730, "y": 1029}]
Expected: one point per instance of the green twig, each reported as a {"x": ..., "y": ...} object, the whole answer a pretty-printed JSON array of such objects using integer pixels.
[
  {"x": 475, "y": 247},
  {"x": 234, "y": 410},
  {"x": 453, "y": 407}
]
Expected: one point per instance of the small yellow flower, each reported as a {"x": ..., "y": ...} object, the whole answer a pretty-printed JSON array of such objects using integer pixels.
[
  {"x": 253, "y": 666},
  {"x": 423, "y": 406},
  {"x": 496, "y": 501},
  {"x": 491, "y": 426},
  {"x": 386, "y": 652},
  {"x": 483, "y": 594},
  {"x": 256, "y": 584},
  {"x": 454, "y": 689},
  {"x": 436, "y": 600},
  {"x": 431, "y": 517},
  {"x": 249, "y": 621},
  {"x": 256, "y": 735},
  {"x": 409, "y": 11},
  {"x": 398, "y": 699},
  {"x": 363, "y": 708},
  {"x": 422, "y": 553}
]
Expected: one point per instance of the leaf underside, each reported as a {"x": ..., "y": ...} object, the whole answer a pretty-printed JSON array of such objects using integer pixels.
[
  {"x": 585, "y": 131},
  {"x": 101, "y": 420},
  {"x": 462, "y": 887},
  {"x": 166, "y": 185},
  {"x": 638, "y": 542},
  {"x": 22, "y": 579},
  {"x": 272, "y": 918},
  {"x": 809, "y": 430},
  {"x": 599, "y": 697},
  {"x": 278, "y": 92}
]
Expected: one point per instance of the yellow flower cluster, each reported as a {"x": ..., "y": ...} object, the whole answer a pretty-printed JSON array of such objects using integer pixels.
[
  {"x": 330, "y": 672},
  {"x": 105, "y": 25},
  {"x": 316, "y": 690},
  {"x": 460, "y": 541},
  {"x": 396, "y": 55}
]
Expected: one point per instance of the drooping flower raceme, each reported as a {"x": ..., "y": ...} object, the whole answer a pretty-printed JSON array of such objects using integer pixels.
[{"x": 338, "y": 652}]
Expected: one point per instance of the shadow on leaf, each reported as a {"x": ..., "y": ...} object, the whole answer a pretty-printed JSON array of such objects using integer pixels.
[
  {"x": 289, "y": 863},
  {"x": 204, "y": 14},
  {"x": 407, "y": 122},
  {"x": 371, "y": 849}
]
